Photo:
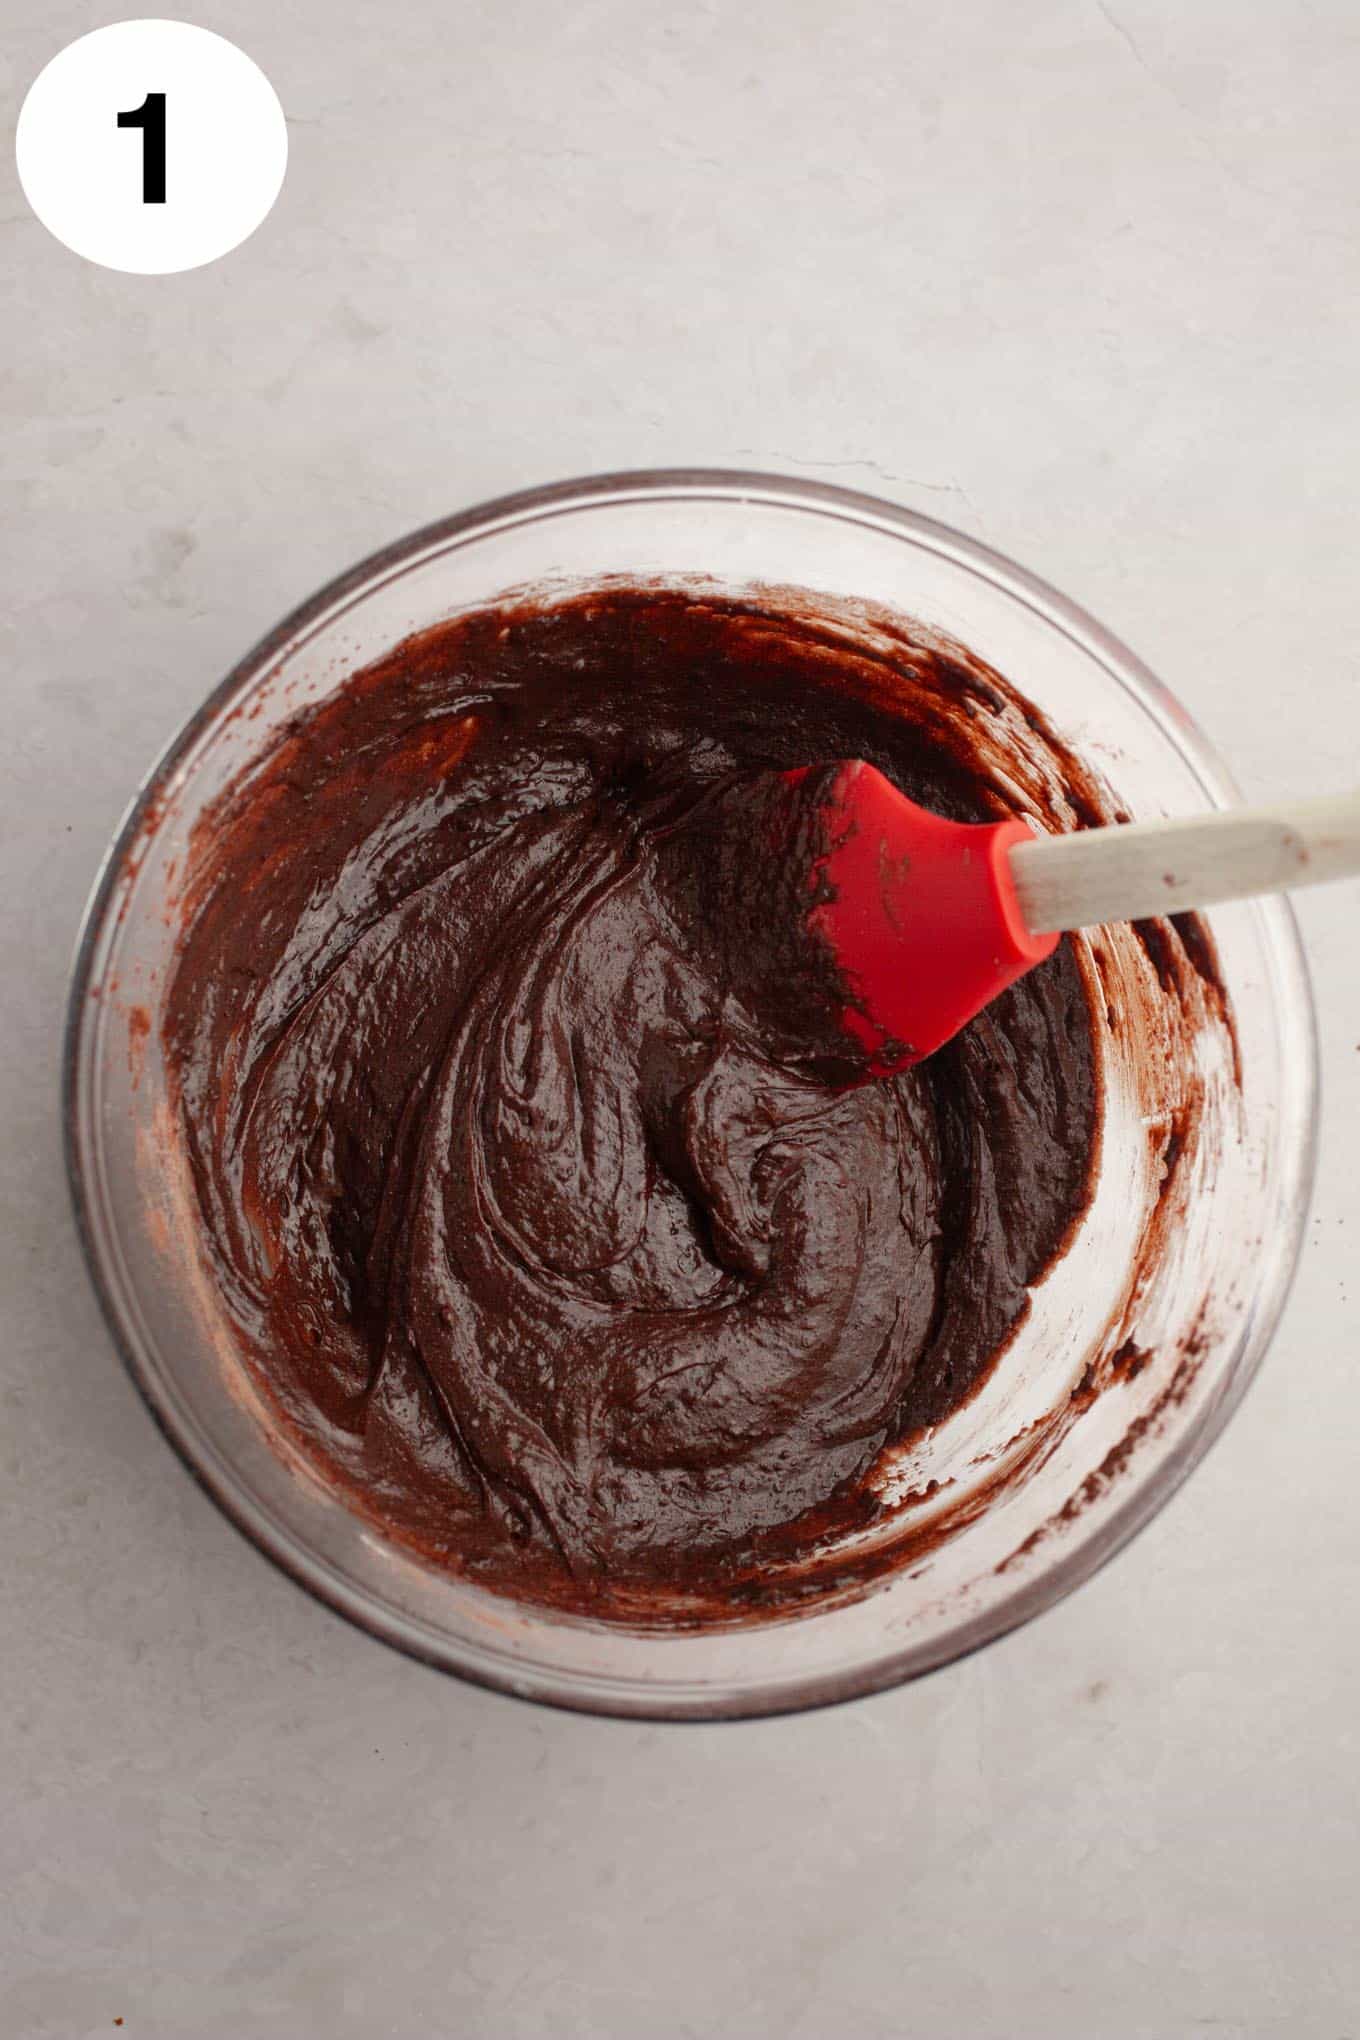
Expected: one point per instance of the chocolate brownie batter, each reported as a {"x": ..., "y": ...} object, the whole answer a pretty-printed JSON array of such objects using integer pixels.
[{"x": 541, "y": 1207}]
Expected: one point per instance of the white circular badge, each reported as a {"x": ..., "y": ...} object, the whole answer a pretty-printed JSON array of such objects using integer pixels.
[{"x": 151, "y": 146}]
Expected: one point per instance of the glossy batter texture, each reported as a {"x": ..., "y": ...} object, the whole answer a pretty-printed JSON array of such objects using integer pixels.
[{"x": 547, "y": 1239}]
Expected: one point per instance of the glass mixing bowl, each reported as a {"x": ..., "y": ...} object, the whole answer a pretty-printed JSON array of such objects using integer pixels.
[{"x": 1037, "y": 1538}]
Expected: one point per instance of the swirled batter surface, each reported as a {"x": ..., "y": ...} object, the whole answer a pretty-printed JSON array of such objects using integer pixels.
[{"x": 547, "y": 1240}]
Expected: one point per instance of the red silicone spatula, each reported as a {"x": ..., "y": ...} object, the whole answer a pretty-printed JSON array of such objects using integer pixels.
[{"x": 929, "y": 919}]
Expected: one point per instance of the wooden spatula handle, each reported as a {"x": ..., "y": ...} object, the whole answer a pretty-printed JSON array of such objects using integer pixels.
[{"x": 1123, "y": 874}]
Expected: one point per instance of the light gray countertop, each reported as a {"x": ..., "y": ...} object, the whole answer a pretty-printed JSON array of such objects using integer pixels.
[{"x": 1080, "y": 279}]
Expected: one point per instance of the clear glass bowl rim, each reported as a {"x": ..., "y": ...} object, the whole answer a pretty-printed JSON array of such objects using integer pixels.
[{"x": 1290, "y": 987}]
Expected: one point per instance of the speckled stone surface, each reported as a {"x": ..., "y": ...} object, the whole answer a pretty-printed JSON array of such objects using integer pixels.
[{"x": 1081, "y": 279}]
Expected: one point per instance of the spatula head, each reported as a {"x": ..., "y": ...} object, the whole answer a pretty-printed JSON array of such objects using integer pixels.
[{"x": 918, "y": 914}]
